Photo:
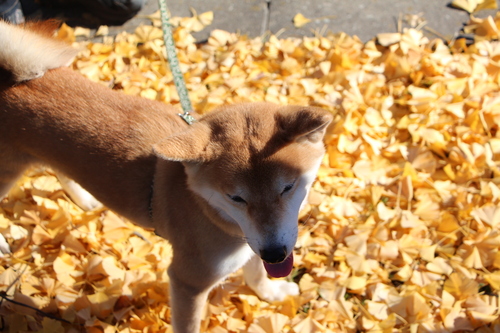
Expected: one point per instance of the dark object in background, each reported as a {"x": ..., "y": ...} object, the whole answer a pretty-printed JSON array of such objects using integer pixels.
[
  {"x": 91, "y": 12},
  {"x": 11, "y": 11}
]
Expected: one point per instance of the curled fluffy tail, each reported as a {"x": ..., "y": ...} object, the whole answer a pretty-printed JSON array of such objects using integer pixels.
[{"x": 28, "y": 51}]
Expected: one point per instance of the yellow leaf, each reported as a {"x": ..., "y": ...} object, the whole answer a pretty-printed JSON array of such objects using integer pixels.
[
  {"x": 448, "y": 223},
  {"x": 309, "y": 325},
  {"x": 51, "y": 326},
  {"x": 386, "y": 39},
  {"x": 197, "y": 22},
  {"x": 82, "y": 32},
  {"x": 356, "y": 283},
  {"x": 493, "y": 279},
  {"x": 467, "y": 5},
  {"x": 147, "y": 33},
  {"x": 389, "y": 250},
  {"x": 99, "y": 267},
  {"x": 273, "y": 323},
  {"x": 377, "y": 309},
  {"x": 474, "y": 260},
  {"x": 63, "y": 264},
  {"x": 235, "y": 324},
  {"x": 8, "y": 277},
  {"x": 474, "y": 5},
  {"x": 457, "y": 319},
  {"x": 307, "y": 283},
  {"x": 404, "y": 274},
  {"x": 489, "y": 214},
  {"x": 101, "y": 303},
  {"x": 314, "y": 258},
  {"x": 440, "y": 265},
  {"x": 102, "y": 31},
  {"x": 460, "y": 287},
  {"x": 66, "y": 295},
  {"x": 300, "y": 20},
  {"x": 40, "y": 235},
  {"x": 17, "y": 232},
  {"x": 46, "y": 183},
  {"x": 206, "y": 18},
  {"x": 66, "y": 33},
  {"x": 410, "y": 220}
]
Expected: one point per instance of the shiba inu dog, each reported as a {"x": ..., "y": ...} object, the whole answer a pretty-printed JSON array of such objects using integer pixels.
[{"x": 225, "y": 191}]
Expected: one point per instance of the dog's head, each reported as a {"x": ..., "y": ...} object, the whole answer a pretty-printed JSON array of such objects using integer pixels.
[{"x": 254, "y": 163}]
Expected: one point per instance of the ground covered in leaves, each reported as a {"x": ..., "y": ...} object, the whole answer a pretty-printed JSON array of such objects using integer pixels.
[{"x": 402, "y": 233}]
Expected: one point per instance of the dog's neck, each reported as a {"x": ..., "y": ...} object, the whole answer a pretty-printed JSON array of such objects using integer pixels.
[{"x": 171, "y": 194}]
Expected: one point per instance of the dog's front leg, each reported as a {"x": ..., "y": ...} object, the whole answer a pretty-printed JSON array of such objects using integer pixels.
[
  {"x": 188, "y": 303},
  {"x": 269, "y": 290}
]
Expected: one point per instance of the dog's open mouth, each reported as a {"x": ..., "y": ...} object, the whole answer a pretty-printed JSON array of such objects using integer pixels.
[{"x": 282, "y": 269}]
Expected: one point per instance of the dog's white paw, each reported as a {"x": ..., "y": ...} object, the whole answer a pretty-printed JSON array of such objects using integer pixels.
[
  {"x": 78, "y": 194},
  {"x": 4, "y": 246},
  {"x": 276, "y": 290},
  {"x": 85, "y": 201}
]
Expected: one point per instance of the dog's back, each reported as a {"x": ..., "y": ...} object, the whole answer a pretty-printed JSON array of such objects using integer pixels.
[{"x": 53, "y": 115}]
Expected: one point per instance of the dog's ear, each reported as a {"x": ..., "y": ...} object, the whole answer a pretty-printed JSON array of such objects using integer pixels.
[
  {"x": 191, "y": 145},
  {"x": 303, "y": 123}
]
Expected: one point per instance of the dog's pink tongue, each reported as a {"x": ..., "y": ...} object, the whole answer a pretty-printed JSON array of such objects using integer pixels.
[{"x": 282, "y": 269}]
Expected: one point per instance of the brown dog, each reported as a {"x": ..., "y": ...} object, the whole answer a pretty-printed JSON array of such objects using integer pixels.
[{"x": 225, "y": 191}]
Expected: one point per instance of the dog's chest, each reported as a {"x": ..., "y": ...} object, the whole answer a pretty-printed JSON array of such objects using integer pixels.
[{"x": 230, "y": 262}]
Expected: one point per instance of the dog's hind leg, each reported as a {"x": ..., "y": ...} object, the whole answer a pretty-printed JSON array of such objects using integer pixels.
[
  {"x": 269, "y": 290},
  {"x": 7, "y": 180},
  {"x": 78, "y": 194},
  {"x": 12, "y": 166}
]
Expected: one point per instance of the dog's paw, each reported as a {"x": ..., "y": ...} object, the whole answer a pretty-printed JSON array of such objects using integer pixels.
[
  {"x": 4, "y": 246},
  {"x": 86, "y": 201},
  {"x": 78, "y": 194},
  {"x": 276, "y": 290}
]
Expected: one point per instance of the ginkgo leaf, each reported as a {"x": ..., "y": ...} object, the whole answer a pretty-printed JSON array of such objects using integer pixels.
[
  {"x": 197, "y": 22},
  {"x": 457, "y": 319},
  {"x": 440, "y": 265},
  {"x": 460, "y": 287},
  {"x": 300, "y": 20},
  {"x": 386, "y": 39},
  {"x": 309, "y": 325},
  {"x": 474, "y": 5},
  {"x": 467, "y": 5}
]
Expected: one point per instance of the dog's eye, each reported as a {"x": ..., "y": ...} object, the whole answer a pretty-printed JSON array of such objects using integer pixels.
[
  {"x": 237, "y": 198},
  {"x": 287, "y": 188}
]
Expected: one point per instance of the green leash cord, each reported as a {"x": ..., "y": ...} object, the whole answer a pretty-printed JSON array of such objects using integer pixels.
[{"x": 173, "y": 61}]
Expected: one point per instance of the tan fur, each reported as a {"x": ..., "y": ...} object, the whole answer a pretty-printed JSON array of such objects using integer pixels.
[
  {"x": 135, "y": 155},
  {"x": 29, "y": 52}
]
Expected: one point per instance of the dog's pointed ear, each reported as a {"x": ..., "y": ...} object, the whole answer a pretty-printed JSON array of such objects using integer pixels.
[
  {"x": 191, "y": 145},
  {"x": 303, "y": 123}
]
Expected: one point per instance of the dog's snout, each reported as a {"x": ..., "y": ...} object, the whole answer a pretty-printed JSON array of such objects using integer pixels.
[{"x": 273, "y": 255}]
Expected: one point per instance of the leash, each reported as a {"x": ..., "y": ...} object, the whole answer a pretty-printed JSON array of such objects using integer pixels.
[
  {"x": 173, "y": 62},
  {"x": 179, "y": 82}
]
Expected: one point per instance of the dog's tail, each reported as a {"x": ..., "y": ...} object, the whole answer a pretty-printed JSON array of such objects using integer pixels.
[{"x": 28, "y": 51}]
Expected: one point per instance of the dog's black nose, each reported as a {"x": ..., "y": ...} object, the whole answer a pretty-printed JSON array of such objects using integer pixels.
[{"x": 273, "y": 255}]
